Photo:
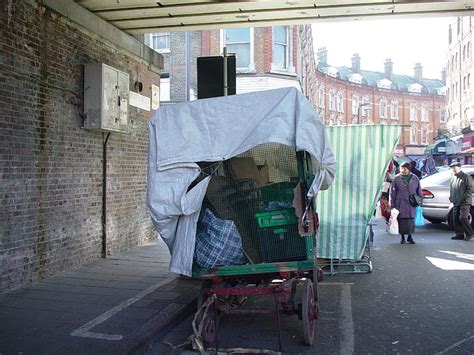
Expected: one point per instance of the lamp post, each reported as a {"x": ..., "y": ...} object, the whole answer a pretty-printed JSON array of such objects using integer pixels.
[{"x": 364, "y": 104}]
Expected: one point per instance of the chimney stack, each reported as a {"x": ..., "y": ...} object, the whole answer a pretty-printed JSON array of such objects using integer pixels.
[
  {"x": 388, "y": 69},
  {"x": 322, "y": 56},
  {"x": 443, "y": 75},
  {"x": 418, "y": 73},
  {"x": 355, "y": 63}
]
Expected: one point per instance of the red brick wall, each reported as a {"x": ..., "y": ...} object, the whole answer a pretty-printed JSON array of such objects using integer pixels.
[{"x": 51, "y": 169}]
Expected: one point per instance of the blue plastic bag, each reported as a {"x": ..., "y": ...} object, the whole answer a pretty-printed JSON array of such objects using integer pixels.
[{"x": 419, "y": 220}]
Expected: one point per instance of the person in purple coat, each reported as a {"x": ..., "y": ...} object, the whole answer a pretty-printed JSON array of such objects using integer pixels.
[{"x": 403, "y": 185}]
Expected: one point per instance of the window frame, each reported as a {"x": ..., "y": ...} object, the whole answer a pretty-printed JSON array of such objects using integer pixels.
[
  {"x": 288, "y": 50},
  {"x": 383, "y": 108},
  {"x": 160, "y": 34},
  {"x": 394, "y": 107},
  {"x": 223, "y": 43}
]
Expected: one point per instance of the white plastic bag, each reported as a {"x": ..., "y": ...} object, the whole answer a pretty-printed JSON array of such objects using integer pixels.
[{"x": 392, "y": 226}]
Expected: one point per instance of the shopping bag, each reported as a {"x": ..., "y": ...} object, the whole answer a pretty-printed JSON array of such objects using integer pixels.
[
  {"x": 392, "y": 226},
  {"x": 419, "y": 220}
]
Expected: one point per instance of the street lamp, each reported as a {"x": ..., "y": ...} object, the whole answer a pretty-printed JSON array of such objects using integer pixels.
[{"x": 364, "y": 104}]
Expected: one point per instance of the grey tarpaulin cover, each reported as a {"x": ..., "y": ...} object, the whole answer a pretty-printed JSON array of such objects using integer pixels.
[{"x": 219, "y": 129}]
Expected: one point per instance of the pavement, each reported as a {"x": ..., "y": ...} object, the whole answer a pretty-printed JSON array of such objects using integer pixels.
[{"x": 115, "y": 305}]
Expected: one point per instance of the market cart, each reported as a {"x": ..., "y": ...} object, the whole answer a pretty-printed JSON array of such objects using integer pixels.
[
  {"x": 254, "y": 163},
  {"x": 280, "y": 258}
]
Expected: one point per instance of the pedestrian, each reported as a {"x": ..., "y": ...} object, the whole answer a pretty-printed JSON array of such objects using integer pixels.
[
  {"x": 460, "y": 194},
  {"x": 404, "y": 185},
  {"x": 414, "y": 169}
]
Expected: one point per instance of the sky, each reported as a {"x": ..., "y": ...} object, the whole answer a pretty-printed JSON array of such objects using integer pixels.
[{"x": 405, "y": 41}]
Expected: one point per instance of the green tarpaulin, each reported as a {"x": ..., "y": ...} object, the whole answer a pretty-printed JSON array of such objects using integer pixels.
[{"x": 347, "y": 208}]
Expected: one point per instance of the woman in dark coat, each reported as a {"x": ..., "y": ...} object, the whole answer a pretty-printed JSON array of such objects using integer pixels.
[{"x": 402, "y": 187}]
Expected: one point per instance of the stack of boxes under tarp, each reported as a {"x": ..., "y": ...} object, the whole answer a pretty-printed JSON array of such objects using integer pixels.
[{"x": 256, "y": 191}]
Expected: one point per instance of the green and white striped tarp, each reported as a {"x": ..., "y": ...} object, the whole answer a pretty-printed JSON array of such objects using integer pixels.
[{"x": 346, "y": 209}]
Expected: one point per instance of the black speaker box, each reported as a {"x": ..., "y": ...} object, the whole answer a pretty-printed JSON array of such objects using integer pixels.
[{"x": 210, "y": 76}]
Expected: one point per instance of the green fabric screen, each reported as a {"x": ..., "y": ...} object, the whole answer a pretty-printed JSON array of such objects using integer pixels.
[{"x": 346, "y": 209}]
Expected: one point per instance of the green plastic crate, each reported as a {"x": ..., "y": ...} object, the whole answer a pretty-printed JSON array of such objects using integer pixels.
[
  {"x": 276, "y": 218},
  {"x": 281, "y": 192}
]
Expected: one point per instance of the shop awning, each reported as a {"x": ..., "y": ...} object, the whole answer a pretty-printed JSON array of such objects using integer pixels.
[{"x": 438, "y": 148}]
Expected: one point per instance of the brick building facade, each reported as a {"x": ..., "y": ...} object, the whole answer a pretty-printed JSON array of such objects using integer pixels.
[
  {"x": 51, "y": 168},
  {"x": 256, "y": 65},
  {"x": 349, "y": 95},
  {"x": 460, "y": 74}
]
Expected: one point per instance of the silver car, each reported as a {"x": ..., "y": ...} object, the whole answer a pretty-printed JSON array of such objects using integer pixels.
[{"x": 436, "y": 205}]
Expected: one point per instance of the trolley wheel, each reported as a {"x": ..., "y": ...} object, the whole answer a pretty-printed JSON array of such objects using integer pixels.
[{"x": 309, "y": 312}]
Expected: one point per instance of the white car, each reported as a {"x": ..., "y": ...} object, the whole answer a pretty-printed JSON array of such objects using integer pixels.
[{"x": 436, "y": 205}]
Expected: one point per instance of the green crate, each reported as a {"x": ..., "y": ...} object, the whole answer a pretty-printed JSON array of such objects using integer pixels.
[
  {"x": 281, "y": 243},
  {"x": 276, "y": 218},
  {"x": 281, "y": 192}
]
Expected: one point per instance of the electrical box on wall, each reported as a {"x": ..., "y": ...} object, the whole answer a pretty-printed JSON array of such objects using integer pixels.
[{"x": 105, "y": 98}]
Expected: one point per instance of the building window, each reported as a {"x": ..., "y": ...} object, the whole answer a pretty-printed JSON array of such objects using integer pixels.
[
  {"x": 383, "y": 108},
  {"x": 340, "y": 102},
  {"x": 413, "y": 113},
  {"x": 443, "y": 115},
  {"x": 160, "y": 42},
  {"x": 413, "y": 133},
  {"x": 332, "y": 101},
  {"x": 394, "y": 110},
  {"x": 355, "y": 105},
  {"x": 321, "y": 97},
  {"x": 364, "y": 106},
  {"x": 280, "y": 47},
  {"x": 425, "y": 114},
  {"x": 240, "y": 42},
  {"x": 424, "y": 135}
]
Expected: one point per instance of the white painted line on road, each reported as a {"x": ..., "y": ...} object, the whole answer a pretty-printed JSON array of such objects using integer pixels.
[
  {"x": 446, "y": 264},
  {"x": 84, "y": 332},
  {"x": 347, "y": 325},
  {"x": 455, "y": 345},
  {"x": 459, "y": 255}
]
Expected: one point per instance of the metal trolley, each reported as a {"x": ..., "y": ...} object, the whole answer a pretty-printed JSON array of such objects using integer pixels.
[{"x": 281, "y": 259}]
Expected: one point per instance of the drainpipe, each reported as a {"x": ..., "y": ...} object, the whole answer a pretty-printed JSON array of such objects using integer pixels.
[
  {"x": 104, "y": 197},
  {"x": 226, "y": 85},
  {"x": 186, "y": 64}
]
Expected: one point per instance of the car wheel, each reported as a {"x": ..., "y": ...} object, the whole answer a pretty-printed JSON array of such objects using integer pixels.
[{"x": 471, "y": 215}]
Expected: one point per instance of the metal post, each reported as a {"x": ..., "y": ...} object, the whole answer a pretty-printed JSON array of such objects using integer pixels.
[
  {"x": 186, "y": 65},
  {"x": 225, "y": 72}
]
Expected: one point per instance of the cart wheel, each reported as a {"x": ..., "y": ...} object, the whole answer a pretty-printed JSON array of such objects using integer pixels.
[{"x": 309, "y": 312}]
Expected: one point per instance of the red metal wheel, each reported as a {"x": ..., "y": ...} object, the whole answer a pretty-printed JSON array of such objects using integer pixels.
[{"x": 309, "y": 312}]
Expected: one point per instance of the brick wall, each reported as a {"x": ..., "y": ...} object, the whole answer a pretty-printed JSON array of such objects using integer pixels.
[
  {"x": 175, "y": 63},
  {"x": 51, "y": 169}
]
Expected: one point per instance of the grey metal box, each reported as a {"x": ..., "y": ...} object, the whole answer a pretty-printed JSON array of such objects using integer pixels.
[{"x": 106, "y": 92}]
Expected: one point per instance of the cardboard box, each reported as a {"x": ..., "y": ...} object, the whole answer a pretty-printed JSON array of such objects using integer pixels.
[{"x": 245, "y": 168}]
